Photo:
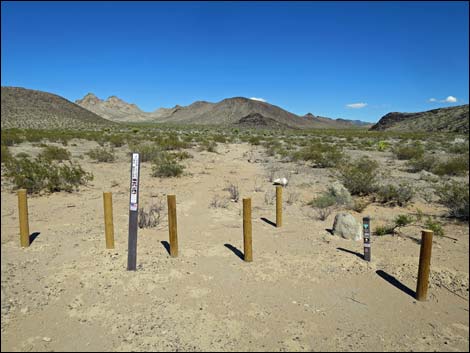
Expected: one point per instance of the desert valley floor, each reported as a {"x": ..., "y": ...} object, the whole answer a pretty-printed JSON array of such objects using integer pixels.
[{"x": 306, "y": 290}]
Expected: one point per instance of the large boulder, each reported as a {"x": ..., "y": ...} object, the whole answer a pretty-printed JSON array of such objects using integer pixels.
[{"x": 347, "y": 226}]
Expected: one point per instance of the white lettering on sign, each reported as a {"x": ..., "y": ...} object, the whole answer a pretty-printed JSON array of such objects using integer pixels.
[{"x": 134, "y": 181}]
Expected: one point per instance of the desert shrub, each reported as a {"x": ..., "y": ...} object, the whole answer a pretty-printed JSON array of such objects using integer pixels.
[
  {"x": 459, "y": 148},
  {"x": 424, "y": 162},
  {"x": 323, "y": 205},
  {"x": 6, "y": 154},
  {"x": 383, "y": 230},
  {"x": 408, "y": 151},
  {"x": 220, "y": 138},
  {"x": 166, "y": 166},
  {"x": 382, "y": 146},
  {"x": 101, "y": 154},
  {"x": 234, "y": 192},
  {"x": 435, "y": 226},
  {"x": 322, "y": 155},
  {"x": 455, "y": 196},
  {"x": 150, "y": 218},
  {"x": 147, "y": 152},
  {"x": 116, "y": 140},
  {"x": 255, "y": 140},
  {"x": 53, "y": 153},
  {"x": 209, "y": 146},
  {"x": 292, "y": 198},
  {"x": 395, "y": 194},
  {"x": 218, "y": 202},
  {"x": 180, "y": 155},
  {"x": 171, "y": 142},
  {"x": 403, "y": 220},
  {"x": 269, "y": 197},
  {"x": 11, "y": 137},
  {"x": 40, "y": 174},
  {"x": 360, "y": 177},
  {"x": 457, "y": 165}
]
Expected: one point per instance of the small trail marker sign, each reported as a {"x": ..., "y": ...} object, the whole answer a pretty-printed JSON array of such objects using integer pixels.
[
  {"x": 133, "y": 214},
  {"x": 366, "y": 236}
]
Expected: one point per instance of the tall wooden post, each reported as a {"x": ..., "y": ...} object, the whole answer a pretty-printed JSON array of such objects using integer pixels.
[
  {"x": 108, "y": 219},
  {"x": 278, "y": 206},
  {"x": 247, "y": 238},
  {"x": 133, "y": 212},
  {"x": 424, "y": 265},
  {"x": 23, "y": 217},
  {"x": 172, "y": 225}
]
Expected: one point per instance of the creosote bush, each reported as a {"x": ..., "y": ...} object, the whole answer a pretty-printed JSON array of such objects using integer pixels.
[
  {"x": 395, "y": 194},
  {"x": 413, "y": 151},
  {"x": 166, "y": 166},
  {"x": 101, "y": 154},
  {"x": 41, "y": 174},
  {"x": 360, "y": 177},
  {"x": 455, "y": 196},
  {"x": 53, "y": 153}
]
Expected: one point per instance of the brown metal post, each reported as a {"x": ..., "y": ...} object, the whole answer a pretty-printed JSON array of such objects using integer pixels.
[
  {"x": 23, "y": 217},
  {"x": 247, "y": 238},
  {"x": 278, "y": 206},
  {"x": 172, "y": 225},
  {"x": 424, "y": 265}
]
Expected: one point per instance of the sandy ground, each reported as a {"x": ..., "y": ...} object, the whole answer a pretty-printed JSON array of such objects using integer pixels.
[{"x": 306, "y": 290}]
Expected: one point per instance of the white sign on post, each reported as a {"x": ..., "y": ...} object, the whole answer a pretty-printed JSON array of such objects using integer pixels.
[{"x": 134, "y": 181}]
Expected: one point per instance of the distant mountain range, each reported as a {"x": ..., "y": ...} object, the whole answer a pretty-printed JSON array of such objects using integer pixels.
[
  {"x": 25, "y": 108},
  {"x": 29, "y": 109},
  {"x": 230, "y": 111},
  {"x": 453, "y": 119}
]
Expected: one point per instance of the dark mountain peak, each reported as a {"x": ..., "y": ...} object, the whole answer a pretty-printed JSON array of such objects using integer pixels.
[{"x": 309, "y": 115}]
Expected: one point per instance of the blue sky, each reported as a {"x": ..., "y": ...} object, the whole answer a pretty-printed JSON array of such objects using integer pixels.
[{"x": 354, "y": 60}]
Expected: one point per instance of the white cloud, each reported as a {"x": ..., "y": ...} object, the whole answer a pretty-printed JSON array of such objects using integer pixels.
[
  {"x": 356, "y": 105},
  {"x": 450, "y": 99},
  {"x": 258, "y": 99}
]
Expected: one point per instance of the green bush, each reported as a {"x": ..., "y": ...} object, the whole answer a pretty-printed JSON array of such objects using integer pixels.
[
  {"x": 209, "y": 146},
  {"x": 360, "y": 177},
  {"x": 322, "y": 155},
  {"x": 383, "y": 230},
  {"x": 53, "y": 153},
  {"x": 101, "y": 154},
  {"x": 166, "y": 166},
  {"x": 408, "y": 151},
  {"x": 6, "y": 154},
  {"x": 455, "y": 196},
  {"x": 424, "y": 162},
  {"x": 323, "y": 205},
  {"x": 382, "y": 146},
  {"x": 395, "y": 195},
  {"x": 147, "y": 152},
  {"x": 40, "y": 174},
  {"x": 454, "y": 166},
  {"x": 435, "y": 226}
]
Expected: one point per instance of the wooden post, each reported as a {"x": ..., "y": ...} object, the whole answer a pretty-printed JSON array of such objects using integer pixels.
[
  {"x": 108, "y": 219},
  {"x": 23, "y": 217},
  {"x": 424, "y": 264},
  {"x": 172, "y": 225},
  {"x": 278, "y": 206},
  {"x": 247, "y": 239}
]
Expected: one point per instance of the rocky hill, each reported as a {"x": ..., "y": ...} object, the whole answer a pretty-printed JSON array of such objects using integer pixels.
[
  {"x": 26, "y": 108},
  {"x": 453, "y": 119},
  {"x": 228, "y": 112},
  {"x": 113, "y": 108}
]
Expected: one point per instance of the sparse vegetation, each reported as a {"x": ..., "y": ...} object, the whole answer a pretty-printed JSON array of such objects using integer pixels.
[
  {"x": 455, "y": 196},
  {"x": 360, "y": 177},
  {"x": 166, "y": 166},
  {"x": 152, "y": 217},
  {"x": 393, "y": 195},
  {"x": 53, "y": 153},
  {"x": 101, "y": 154}
]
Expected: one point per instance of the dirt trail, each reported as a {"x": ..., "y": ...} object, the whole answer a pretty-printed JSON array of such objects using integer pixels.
[{"x": 306, "y": 290}]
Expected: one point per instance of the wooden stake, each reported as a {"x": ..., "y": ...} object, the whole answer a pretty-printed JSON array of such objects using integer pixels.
[
  {"x": 247, "y": 239},
  {"x": 108, "y": 219},
  {"x": 172, "y": 225},
  {"x": 23, "y": 217},
  {"x": 424, "y": 265},
  {"x": 278, "y": 206}
]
